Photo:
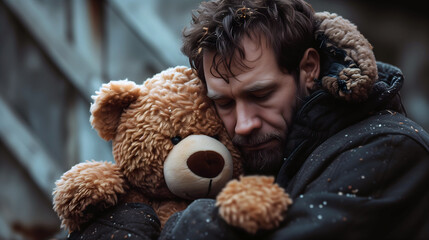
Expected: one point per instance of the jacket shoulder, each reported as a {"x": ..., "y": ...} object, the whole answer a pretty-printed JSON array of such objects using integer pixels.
[
  {"x": 385, "y": 137},
  {"x": 386, "y": 123}
]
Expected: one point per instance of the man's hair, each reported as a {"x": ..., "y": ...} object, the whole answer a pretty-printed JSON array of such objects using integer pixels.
[{"x": 219, "y": 26}]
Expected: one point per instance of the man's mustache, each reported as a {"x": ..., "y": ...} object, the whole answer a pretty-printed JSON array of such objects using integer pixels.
[{"x": 255, "y": 139}]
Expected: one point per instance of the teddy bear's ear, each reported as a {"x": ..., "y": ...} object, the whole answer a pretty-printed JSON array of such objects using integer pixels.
[{"x": 109, "y": 103}]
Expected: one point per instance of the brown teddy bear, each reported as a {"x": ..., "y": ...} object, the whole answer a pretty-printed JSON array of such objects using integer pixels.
[{"x": 170, "y": 148}]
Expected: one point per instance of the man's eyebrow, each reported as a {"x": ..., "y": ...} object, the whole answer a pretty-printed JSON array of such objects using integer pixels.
[
  {"x": 215, "y": 95},
  {"x": 260, "y": 86}
]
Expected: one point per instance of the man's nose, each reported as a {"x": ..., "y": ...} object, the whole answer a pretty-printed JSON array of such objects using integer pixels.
[{"x": 247, "y": 119}]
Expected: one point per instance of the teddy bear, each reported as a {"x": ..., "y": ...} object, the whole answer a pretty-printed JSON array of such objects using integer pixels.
[{"x": 169, "y": 148}]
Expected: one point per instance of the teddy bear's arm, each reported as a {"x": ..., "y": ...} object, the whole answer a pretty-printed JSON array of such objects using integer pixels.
[
  {"x": 86, "y": 189},
  {"x": 164, "y": 209}
]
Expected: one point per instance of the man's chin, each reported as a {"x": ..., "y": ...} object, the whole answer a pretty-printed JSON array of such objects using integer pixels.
[{"x": 262, "y": 162}]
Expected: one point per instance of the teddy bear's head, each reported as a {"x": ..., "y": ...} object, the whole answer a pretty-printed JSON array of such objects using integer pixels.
[{"x": 167, "y": 139}]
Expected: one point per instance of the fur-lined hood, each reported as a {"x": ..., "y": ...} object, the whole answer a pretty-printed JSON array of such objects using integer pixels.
[{"x": 349, "y": 70}]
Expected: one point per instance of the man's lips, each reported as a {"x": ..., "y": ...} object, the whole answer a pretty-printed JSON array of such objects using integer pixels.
[{"x": 259, "y": 146}]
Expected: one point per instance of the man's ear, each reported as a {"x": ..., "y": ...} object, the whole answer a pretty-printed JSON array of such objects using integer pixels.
[
  {"x": 309, "y": 69},
  {"x": 109, "y": 103}
]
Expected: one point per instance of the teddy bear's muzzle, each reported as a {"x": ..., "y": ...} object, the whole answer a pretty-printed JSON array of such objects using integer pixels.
[
  {"x": 198, "y": 166},
  {"x": 207, "y": 164}
]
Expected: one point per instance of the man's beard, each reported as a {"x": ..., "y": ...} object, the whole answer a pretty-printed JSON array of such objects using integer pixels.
[{"x": 263, "y": 161}]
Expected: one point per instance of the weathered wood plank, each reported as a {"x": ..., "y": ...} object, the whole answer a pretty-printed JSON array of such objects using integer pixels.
[
  {"x": 151, "y": 30},
  {"x": 27, "y": 149},
  {"x": 76, "y": 69}
]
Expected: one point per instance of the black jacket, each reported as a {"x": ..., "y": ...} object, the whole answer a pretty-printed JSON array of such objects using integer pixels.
[{"x": 353, "y": 171}]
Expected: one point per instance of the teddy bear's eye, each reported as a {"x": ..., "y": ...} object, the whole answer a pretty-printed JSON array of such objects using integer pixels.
[{"x": 175, "y": 140}]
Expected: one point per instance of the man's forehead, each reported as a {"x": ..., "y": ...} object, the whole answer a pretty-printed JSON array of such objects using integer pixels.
[{"x": 253, "y": 47}]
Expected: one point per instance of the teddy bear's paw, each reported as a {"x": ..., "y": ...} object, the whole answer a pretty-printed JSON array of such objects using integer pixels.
[
  {"x": 87, "y": 188},
  {"x": 253, "y": 203}
]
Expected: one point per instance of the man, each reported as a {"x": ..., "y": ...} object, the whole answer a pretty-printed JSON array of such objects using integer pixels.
[
  {"x": 354, "y": 165},
  {"x": 304, "y": 103}
]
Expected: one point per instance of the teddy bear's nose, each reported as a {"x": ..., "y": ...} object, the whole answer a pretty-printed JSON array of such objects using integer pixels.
[{"x": 207, "y": 164}]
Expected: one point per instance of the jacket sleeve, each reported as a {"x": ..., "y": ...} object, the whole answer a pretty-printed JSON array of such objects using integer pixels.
[
  {"x": 377, "y": 189},
  {"x": 124, "y": 221},
  {"x": 200, "y": 220}
]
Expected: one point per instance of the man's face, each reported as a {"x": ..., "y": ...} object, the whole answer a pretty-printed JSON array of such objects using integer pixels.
[{"x": 256, "y": 106}]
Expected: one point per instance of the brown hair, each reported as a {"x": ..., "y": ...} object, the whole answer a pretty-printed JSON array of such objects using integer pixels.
[{"x": 219, "y": 26}]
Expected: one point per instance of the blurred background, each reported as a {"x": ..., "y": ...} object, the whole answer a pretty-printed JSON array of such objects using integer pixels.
[{"x": 54, "y": 54}]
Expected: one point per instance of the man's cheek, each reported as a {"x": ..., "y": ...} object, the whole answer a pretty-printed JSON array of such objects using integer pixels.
[{"x": 229, "y": 124}]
